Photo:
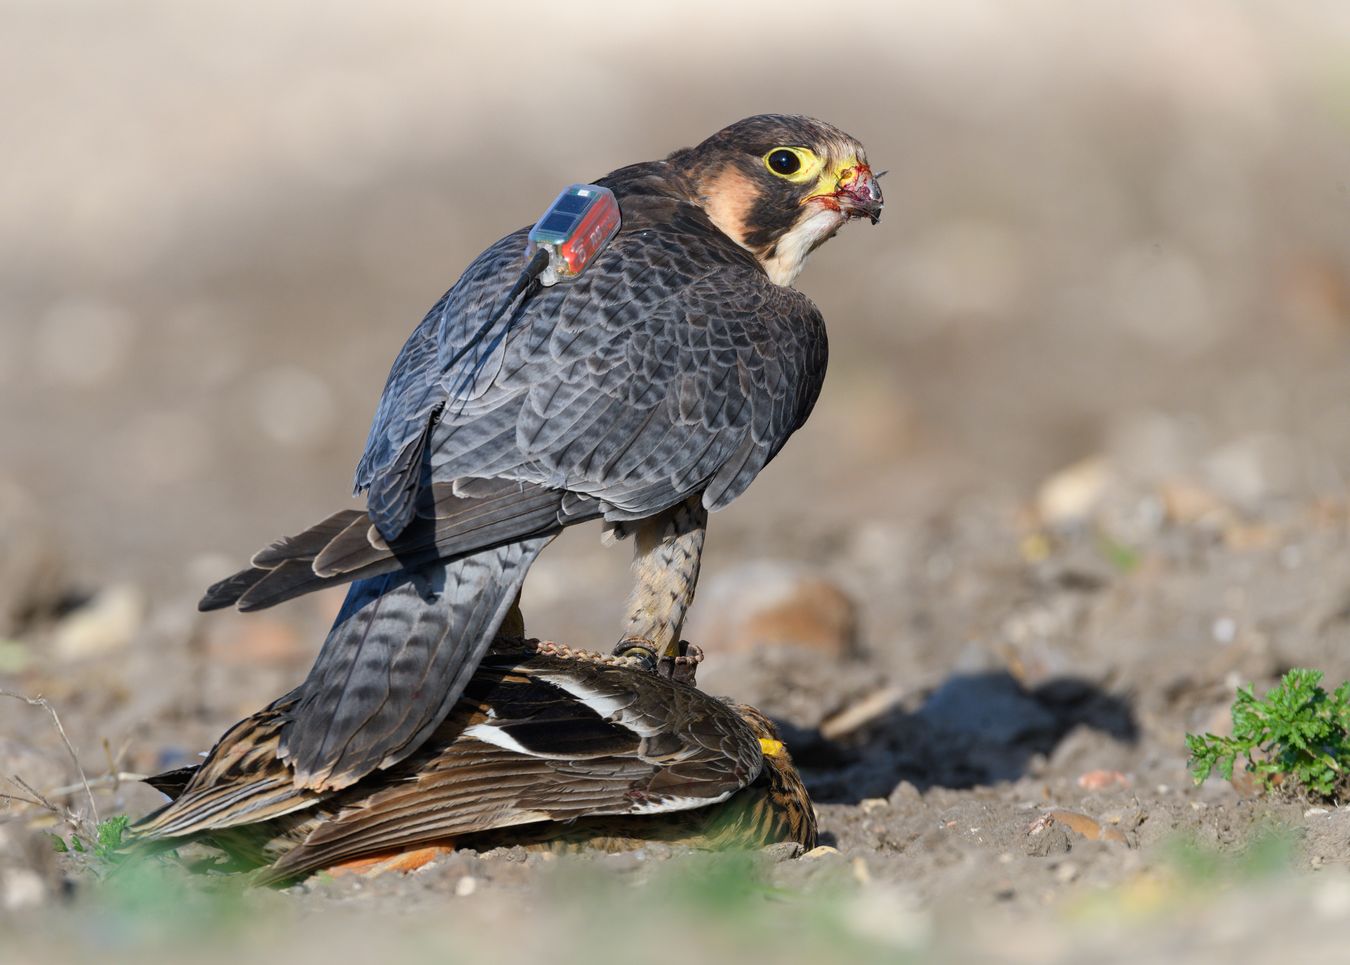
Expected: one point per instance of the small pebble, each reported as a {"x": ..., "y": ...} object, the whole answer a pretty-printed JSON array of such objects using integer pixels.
[
  {"x": 107, "y": 623},
  {"x": 21, "y": 888},
  {"x": 783, "y": 851},
  {"x": 1100, "y": 780},
  {"x": 1073, "y": 493},
  {"x": 1080, "y": 824},
  {"x": 1047, "y": 839},
  {"x": 769, "y": 603}
]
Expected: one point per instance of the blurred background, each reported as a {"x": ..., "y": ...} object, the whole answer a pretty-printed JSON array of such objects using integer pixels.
[
  {"x": 1087, "y": 412},
  {"x": 1108, "y": 232}
]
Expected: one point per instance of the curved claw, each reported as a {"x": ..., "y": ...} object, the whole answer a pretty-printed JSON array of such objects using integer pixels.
[
  {"x": 639, "y": 649},
  {"x": 682, "y": 668}
]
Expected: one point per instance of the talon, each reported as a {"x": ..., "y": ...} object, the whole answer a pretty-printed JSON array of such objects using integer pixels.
[
  {"x": 684, "y": 668},
  {"x": 636, "y": 648}
]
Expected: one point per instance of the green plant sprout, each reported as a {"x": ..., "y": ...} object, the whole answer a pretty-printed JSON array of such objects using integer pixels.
[
  {"x": 1296, "y": 737},
  {"x": 107, "y": 841}
]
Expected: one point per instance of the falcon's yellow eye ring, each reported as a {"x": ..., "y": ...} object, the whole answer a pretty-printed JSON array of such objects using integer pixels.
[{"x": 796, "y": 164}]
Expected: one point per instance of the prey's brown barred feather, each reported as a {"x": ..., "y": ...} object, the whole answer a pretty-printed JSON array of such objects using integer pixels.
[
  {"x": 549, "y": 751},
  {"x": 646, "y": 392}
]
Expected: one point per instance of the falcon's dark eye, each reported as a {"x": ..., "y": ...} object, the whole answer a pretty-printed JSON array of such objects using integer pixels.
[{"x": 784, "y": 162}]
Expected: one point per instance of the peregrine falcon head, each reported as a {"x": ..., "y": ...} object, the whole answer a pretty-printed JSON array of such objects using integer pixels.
[{"x": 779, "y": 185}]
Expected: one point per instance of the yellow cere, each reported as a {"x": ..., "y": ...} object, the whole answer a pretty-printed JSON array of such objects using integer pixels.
[
  {"x": 830, "y": 180},
  {"x": 833, "y": 180},
  {"x": 771, "y": 748}
]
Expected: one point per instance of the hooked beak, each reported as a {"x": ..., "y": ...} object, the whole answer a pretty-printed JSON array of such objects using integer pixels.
[
  {"x": 859, "y": 195},
  {"x": 856, "y": 194}
]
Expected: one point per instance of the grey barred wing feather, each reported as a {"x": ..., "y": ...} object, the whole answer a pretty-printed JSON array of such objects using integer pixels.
[
  {"x": 672, "y": 366},
  {"x": 449, "y": 520},
  {"x": 444, "y": 350},
  {"x": 397, "y": 659}
]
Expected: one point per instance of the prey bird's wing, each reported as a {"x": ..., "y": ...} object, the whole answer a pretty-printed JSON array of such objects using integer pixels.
[
  {"x": 242, "y": 781},
  {"x": 535, "y": 738},
  {"x": 671, "y": 366},
  {"x": 547, "y": 740}
]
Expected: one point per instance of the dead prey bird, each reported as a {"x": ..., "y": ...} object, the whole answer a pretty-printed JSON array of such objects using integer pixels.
[{"x": 547, "y": 748}]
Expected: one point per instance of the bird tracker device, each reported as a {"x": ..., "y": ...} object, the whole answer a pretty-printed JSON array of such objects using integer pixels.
[{"x": 573, "y": 230}]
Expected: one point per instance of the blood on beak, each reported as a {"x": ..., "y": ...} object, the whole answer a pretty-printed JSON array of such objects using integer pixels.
[{"x": 859, "y": 195}]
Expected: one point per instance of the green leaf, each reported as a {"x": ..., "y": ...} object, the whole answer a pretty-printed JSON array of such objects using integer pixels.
[
  {"x": 1297, "y": 730},
  {"x": 110, "y": 834}
]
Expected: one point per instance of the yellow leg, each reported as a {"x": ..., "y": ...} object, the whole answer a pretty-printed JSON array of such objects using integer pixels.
[{"x": 666, "y": 559}]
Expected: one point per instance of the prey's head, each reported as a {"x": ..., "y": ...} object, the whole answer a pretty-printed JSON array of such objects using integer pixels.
[
  {"x": 779, "y": 185},
  {"x": 788, "y": 800},
  {"x": 770, "y": 743}
]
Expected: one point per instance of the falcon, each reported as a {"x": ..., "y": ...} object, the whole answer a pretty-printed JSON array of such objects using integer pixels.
[
  {"x": 547, "y": 748},
  {"x": 645, "y": 392}
]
